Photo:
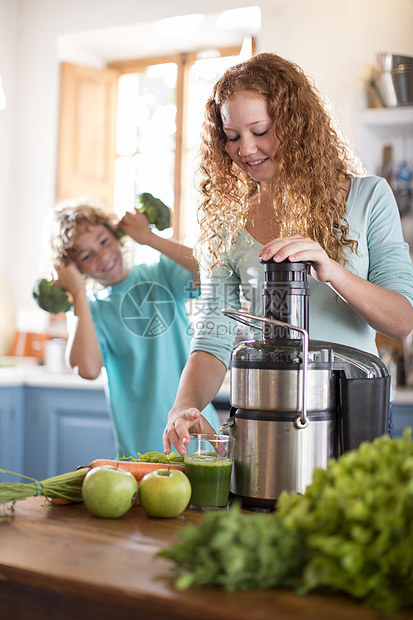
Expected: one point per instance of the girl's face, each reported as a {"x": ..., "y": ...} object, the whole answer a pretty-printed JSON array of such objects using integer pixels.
[
  {"x": 249, "y": 132},
  {"x": 97, "y": 253}
]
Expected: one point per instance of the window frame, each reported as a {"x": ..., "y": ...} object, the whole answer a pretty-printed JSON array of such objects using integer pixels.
[{"x": 184, "y": 61}]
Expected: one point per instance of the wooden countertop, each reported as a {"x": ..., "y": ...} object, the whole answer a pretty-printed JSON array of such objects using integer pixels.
[{"x": 60, "y": 562}]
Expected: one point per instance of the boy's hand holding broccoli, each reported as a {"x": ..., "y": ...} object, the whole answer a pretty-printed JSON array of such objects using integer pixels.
[
  {"x": 137, "y": 226},
  {"x": 51, "y": 294},
  {"x": 69, "y": 278},
  {"x": 157, "y": 215}
]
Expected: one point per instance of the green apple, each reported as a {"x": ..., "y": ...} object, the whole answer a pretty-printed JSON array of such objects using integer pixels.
[
  {"x": 164, "y": 493},
  {"x": 109, "y": 492}
]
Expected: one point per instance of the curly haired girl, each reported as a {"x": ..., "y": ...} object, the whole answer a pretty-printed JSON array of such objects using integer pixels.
[
  {"x": 278, "y": 183},
  {"x": 310, "y": 163}
]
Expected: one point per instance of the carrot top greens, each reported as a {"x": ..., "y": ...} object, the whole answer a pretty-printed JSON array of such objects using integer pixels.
[
  {"x": 156, "y": 457},
  {"x": 66, "y": 486}
]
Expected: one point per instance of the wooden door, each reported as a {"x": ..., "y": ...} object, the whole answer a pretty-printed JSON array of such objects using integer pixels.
[{"x": 87, "y": 133}]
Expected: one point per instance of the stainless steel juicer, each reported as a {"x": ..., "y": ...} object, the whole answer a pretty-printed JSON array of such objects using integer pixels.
[{"x": 295, "y": 402}]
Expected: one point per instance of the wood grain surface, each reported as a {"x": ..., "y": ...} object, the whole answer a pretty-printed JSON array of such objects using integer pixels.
[{"x": 60, "y": 562}]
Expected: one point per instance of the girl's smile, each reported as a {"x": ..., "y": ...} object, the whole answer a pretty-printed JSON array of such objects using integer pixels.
[{"x": 249, "y": 131}]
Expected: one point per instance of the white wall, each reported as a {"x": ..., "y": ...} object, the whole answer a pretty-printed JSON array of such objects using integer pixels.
[
  {"x": 7, "y": 71},
  {"x": 334, "y": 42}
]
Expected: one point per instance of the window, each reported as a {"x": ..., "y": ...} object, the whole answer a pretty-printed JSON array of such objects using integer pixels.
[
  {"x": 134, "y": 127},
  {"x": 160, "y": 112}
]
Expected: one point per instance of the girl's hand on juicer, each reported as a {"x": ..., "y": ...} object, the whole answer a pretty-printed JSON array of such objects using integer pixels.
[{"x": 298, "y": 249}]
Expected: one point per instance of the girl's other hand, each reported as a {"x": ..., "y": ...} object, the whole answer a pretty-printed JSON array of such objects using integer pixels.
[
  {"x": 136, "y": 225},
  {"x": 299, "y": 249},
  {"x": 179, "y": 427}
]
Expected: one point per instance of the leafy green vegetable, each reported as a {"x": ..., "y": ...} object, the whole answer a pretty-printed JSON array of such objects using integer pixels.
[
  {"x": 156, "y": 457},
  {"x": 50, "y": 297},
  {"x": 351, "y": 532},
  {"x": 158, "y": 214},
  {"x": 235, "y": 551}
]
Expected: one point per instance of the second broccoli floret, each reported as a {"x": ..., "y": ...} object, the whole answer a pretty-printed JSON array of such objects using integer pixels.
[
  {"x": 158, "y": 214},
  {"x": 50, "y": 297}
]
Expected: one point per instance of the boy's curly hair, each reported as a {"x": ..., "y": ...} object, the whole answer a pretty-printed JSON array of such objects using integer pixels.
[
  {"x": 312, "y": 161},
  {"x": 72, "y": 216}
]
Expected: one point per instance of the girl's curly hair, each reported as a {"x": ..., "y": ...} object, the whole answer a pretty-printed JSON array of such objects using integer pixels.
[
  {"x": 311, "y": 161},
  {"x": 72, "y": 216}
]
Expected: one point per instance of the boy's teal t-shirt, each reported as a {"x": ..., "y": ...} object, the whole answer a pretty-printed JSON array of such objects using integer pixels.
[{"x": 144, "y": 335}]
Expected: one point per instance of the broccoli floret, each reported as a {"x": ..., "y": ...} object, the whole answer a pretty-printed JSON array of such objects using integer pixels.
[
  {"x": 119, "y": 234},
  {"x": 158, "y": 214},
  {"x": 50, "y": 297}
]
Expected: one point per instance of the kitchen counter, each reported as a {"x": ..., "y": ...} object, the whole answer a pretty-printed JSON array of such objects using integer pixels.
[
  {"x": 39, "y": 376},
  {"x": 60, "y": 562},
  {"x": 403, "y": 396}
]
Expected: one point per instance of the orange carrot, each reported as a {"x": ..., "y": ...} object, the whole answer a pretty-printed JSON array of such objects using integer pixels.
[
  {"x": 60, "y": 501},
  {"x": 137, "y": 468}
]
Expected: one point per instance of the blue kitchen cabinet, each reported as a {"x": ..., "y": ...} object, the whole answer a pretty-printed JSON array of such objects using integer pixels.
[
  {"x": 402, "y": 417},
  {"x": 65, "y": 428},
  {"x": 11, "y": 432}
]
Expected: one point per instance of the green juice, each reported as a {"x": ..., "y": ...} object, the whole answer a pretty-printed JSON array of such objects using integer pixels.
[{"x": 210, "y": 477}]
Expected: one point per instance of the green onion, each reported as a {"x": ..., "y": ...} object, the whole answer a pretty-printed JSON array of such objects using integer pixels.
[{"x": 66, "y": 486}]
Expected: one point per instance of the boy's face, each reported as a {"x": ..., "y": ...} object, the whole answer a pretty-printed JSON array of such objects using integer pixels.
[{"x": 97, "y": 253}]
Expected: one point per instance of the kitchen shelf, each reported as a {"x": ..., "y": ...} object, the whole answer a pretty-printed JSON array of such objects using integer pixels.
[
  {"x": 400, "y": 118},
  {"x": 377, "y": 127}
]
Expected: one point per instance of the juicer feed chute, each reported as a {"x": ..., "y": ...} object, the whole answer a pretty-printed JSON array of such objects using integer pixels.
[{"x": 296, "y": 403}]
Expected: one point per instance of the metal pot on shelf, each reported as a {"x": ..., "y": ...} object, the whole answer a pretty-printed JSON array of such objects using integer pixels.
[
  {"x": 393, "y": 83},
  {"x": 296, "y": 403}
]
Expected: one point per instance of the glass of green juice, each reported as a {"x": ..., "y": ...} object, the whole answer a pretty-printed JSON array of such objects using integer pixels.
[{"x": 208, "y": 465}]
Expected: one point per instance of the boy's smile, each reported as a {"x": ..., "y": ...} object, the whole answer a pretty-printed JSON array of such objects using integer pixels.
[{"x": 97, "y": 253}]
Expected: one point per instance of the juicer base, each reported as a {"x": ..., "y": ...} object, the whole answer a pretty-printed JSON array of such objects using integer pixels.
[{"x": 255, "y": 504}]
